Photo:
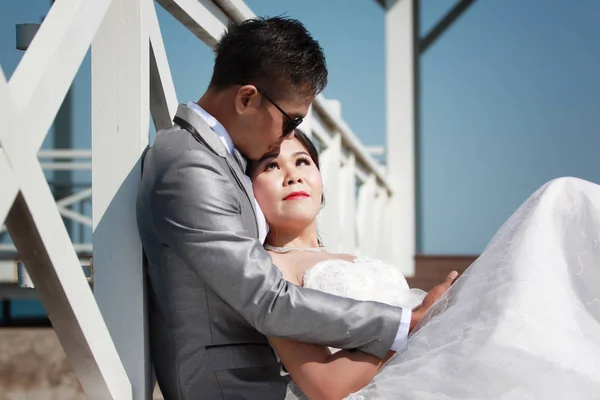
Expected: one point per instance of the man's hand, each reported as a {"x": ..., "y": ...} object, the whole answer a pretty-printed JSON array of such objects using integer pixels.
[{"x": 431, "y": 298}]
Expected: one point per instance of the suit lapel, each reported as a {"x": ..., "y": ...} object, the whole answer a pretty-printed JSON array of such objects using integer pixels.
[
  {"x": 243, "y": 180},
  {"x": 193, "y": 123}
]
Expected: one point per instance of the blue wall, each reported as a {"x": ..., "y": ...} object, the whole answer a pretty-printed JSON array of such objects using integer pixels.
[{"x": 510, "y": 100}]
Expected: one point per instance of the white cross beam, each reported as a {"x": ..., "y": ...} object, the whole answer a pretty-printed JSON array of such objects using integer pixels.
[{"x": 30, "y": 101}]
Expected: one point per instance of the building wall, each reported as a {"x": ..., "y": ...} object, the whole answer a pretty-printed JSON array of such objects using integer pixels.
[{"x": 510, "y": 100}]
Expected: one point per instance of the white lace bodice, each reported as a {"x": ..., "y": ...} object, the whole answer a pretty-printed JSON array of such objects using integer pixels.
[{"x": 365, "y": 279}]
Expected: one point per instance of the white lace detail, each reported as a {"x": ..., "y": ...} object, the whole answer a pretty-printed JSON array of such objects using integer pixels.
[{"x": 365, "y": 279}]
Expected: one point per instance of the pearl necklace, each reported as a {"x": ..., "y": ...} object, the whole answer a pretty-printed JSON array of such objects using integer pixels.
[{"x": 287, "y": 249}]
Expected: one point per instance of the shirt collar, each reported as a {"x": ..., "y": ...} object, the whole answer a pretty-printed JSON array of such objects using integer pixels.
[{"x": 216, "y": 126}]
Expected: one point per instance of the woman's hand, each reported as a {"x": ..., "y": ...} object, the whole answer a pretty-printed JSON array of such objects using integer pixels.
[{"x": 433, "y": 295}]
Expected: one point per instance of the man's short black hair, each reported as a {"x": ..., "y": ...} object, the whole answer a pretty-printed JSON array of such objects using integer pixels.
[{"x": 277, "y": 54}]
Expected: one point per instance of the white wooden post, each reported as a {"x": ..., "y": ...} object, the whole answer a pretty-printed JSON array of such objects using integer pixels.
[
  {"x": 364, "y": 221},
  {"x": 387, "y": 241},
  {"x": 120, "y": 124},
  {"x": 347, "y": 204},
  {"x": 163, "y": 100},
  {"x": 329, "y": 218},
  {"x": 379, "y": 221},
  {"x": 400, "y": 98},
  {"x": 306, "y": 125}
]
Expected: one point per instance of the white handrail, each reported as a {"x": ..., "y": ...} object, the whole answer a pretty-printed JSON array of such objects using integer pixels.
[
  {"x": 65, "y": 153},
  {"x": 352, "y": 142}
]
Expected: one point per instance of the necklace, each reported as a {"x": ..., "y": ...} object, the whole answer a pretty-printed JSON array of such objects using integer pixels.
[{"x": 287, "y": 249}]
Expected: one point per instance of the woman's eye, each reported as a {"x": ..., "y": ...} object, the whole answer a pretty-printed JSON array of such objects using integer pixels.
[
  {"x": 302, "y": 161},
  {"x": 270, "y": 166}
]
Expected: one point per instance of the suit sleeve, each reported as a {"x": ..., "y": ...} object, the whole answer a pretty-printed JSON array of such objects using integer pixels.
[{"x": 197, "y": 214}]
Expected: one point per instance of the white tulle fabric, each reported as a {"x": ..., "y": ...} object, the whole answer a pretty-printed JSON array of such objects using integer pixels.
[{"x": 523, "y": 322}]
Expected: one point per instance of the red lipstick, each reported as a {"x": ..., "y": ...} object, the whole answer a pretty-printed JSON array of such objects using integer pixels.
[{"x": 296, "y": 196}]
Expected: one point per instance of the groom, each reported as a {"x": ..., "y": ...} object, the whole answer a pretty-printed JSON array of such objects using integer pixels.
[{"x": 215, "y": 293}]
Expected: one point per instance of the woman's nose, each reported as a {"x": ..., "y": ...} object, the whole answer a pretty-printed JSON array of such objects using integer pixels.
[{"x": 293, "y": 178}]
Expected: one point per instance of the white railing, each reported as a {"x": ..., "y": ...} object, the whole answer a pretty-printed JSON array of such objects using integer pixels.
[
  {"x": 72, "y": 206},
  {"x": 109, "y": 349},
  {"x": 357, "y": 191}
]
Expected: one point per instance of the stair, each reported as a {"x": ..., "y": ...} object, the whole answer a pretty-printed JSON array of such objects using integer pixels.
[{"x": 430, "y": 270}]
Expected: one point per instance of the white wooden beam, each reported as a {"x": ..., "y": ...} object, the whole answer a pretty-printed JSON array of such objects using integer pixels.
[
  {"x": 163, "y": 99},
  {"x": 378, "y": 218},
  {"x": 401, "y": 88},
  {"x": 329, "y": 218},
  {"x": 46, "y": 71},
  {"x": 387, "y": 241},
  {"x": 8, "y": 181},
  {"x": 9, "y": 185},
  {"x": 237, "y": 10},
  {"x": 347, "y": 205},
  {"x": 320, "y": 131},
  {"x": 202, "y": 17},
  {"x": 307, "y": 122},
  {"x": 120, "y": 130},
  {"x": 366, "y": 197}
]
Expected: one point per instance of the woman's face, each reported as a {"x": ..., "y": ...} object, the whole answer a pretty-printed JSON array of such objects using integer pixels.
[{"x": 288, "y": 186}]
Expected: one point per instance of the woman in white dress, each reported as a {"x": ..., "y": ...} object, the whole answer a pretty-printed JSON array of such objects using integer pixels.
[{"x": 522, "y": 322}]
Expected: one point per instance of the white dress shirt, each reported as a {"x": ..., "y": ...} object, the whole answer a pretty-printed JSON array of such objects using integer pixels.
[{"x": 221, "y": 132}]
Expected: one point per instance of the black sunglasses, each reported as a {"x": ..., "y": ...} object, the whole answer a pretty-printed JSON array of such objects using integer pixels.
[{"x": 290, "y": 123}]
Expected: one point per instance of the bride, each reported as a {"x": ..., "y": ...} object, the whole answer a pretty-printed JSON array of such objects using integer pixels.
[{"x": 523, "y": 322}]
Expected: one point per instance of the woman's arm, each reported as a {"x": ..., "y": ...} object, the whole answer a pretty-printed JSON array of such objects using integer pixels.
[{"x": 325, "y": 376}]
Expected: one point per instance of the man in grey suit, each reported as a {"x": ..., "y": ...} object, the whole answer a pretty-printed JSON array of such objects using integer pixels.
[{"x": 215, "y": 293}]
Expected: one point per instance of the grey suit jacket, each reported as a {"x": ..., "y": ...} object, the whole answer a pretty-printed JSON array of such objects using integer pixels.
[{"x": 214, "y": 291}]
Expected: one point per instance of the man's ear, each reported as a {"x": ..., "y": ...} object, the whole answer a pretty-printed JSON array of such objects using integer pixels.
[{"x": 246, "y": 97}]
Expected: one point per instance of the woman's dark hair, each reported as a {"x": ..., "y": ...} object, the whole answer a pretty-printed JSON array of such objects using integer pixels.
[
  {"x": 307, "y": 143},
  {"x": 304, "y": 140},
  {"x": 276, "y": 54}
]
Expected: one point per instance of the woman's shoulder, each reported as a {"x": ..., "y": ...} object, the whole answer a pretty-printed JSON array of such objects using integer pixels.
[
  {"x": 285, "y": 265},
  {"x": 294, "y": 265},
  {"x": 341, "y": 256}
]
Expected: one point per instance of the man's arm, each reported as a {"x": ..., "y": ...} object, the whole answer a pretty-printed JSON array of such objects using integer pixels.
[{"x": 196, "y": 212}]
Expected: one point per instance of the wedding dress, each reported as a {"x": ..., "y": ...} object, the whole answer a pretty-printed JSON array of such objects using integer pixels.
[{"x": 523, "y": 322}]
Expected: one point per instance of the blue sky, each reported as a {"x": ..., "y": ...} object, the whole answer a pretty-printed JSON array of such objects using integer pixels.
[
  {"x": 510, "y": 97},
  {"x": 351, "y": 33},
  {"x": 496, "y": 48}
]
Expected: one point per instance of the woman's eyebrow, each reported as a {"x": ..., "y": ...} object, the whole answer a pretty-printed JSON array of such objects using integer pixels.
[{"x": 272, "y": 154}]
